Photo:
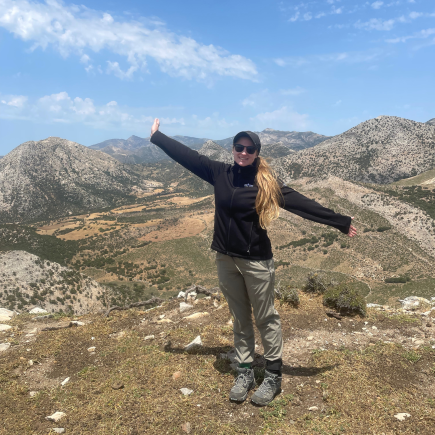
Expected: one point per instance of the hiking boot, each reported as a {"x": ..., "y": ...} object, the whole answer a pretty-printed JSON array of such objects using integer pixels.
[
  {"x": 270, "y": 388},
  {"x": 244, "y": 382}
]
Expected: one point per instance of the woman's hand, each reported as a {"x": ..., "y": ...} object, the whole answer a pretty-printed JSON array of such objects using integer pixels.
[
  {"x": 352, "y": 230},
  {"x": 155, "y": 126}
]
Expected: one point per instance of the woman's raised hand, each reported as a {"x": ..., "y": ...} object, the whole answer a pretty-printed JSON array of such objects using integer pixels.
[
  {"x": 352, "y": 230},
  {"x": 155, "y": 126}
]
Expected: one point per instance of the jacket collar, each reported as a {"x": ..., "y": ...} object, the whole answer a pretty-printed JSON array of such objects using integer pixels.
[{"x": 246, "y": 170}]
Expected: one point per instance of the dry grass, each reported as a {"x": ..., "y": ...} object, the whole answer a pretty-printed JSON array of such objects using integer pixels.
[{"x": 357, "y": 391}]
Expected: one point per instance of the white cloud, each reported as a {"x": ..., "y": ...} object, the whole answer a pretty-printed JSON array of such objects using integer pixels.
[
  {"x": 376, "y": 24},
  {"x": 284, "y": 118},
  {"x": 14, "y": 100},
  {"x": 295, "y": 91},
  {"x": 377, "y": 5},
  {"x": 85, "y": 59},
  {"x": 61, "y": 108},
  {"x": 331, "y": 58},
  {"x": 422, "y": 34},
  {"x": 72, "y": 29}
]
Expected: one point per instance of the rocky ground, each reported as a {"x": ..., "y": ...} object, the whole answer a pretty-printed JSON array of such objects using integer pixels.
[{"x": 132, "y": 372}]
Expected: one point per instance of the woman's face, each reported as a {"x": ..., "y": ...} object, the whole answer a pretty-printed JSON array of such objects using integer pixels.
[{"x": 243, "y": 158}]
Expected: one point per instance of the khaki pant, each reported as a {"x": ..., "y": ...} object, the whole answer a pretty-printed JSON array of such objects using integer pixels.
[{"x": 249, "y": 286}]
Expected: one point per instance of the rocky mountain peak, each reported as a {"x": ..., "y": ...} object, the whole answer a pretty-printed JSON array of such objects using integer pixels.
[
  {"x": 380, "y": 150},
  {"x": 56, "y": 177},
  {"x": 431, "y": 121}
]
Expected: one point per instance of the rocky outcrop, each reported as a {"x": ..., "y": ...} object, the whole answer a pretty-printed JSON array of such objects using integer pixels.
[
  {"x": 381, "y": 150},
  {"x": 56, "y": 177},
  {"x": 27, "y": 280},
  {"x": 431, "y": 121},
  {"x": 216, "y": 152}
]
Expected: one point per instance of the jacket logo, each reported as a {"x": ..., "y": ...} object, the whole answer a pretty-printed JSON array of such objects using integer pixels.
[{"x": 248, "y": 185}]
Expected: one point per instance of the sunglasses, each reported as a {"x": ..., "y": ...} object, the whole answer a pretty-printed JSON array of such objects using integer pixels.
[{"x": 239, "y": 148}]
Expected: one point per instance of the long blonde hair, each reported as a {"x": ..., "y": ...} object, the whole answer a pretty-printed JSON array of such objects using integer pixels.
[{"x": 269, "y": 194}]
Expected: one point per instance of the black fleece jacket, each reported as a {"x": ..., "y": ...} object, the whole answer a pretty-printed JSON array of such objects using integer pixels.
[{"x": 237, "y": 231}]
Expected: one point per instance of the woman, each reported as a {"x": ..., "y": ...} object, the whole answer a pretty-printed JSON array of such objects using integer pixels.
[{"x": 247, "y": 198}]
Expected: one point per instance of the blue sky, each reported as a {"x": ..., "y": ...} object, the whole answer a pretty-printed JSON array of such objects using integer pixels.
[{"x": 99, "y": 70}]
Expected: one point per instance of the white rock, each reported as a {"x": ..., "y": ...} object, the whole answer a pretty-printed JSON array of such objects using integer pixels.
[
  {"x": 313, "y": 408},
  {"x": 4, "y": 346},
  {"x": 419, "y": 342},
  {"x": 310, "y": 338},
  {"x": 4, "y": 318},
  {"x": 186, "y": 391},
  {"x": 162, "y": 316},
  {"x": 58, "y": 430},
  {"x": 149, "y": 337},
  {"x": 181, "y": 295},
  {"x": 65, "y": 381},
  {"x": 77, "y": 323},
  {"x": 215, "y": 303},
  {"x": 38, "y": 310},
  {"x": 193, "y": 343},
  {"x": 4, "y": 312},
  {"x": 91, "y": 349},
  {"x": 374, "y": 306},
  {"x": 374, "y": 327},
  {"x": 56, "y": 416},
  {"x": 413, "y": 302},
  {"x": 196, "y": 315},
  {"x": 185, "y": 307},
  {"x": 4, "y": 327},
  {"x": 401, "y": 416},
  {"x": 33, "y": 393},
  {"x": 164, "y": 321}
]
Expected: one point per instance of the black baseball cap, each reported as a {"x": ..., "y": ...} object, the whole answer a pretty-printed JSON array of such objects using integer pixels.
[{"x": 253, "y": 136}]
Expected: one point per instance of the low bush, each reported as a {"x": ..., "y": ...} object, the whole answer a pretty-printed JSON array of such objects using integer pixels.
[
  {"x": 346, "y": 299},
  {"x": 290, "y": 296},
  {"x": 382, "y": 229},
  {"x": 316, "y": 283}
]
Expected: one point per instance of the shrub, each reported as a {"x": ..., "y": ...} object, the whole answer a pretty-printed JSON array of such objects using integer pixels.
[
  {"x": 395, "y": 280},
  {"x": 381, "y": 229},
  {"x": 316, "y": 283},
  {"x": 345, "y": 298},
  {"x": 290, "y": 296}
]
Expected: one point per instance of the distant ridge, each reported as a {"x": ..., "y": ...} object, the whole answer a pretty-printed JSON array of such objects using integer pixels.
[
  {"x": 291, "y": 139},
  {"x": 136, "y": 150},
  {"x": 56, "y": 177},
  {"x": 431, "y": 121},
  {"x": 140, "y": 150},
  {"x": 380, "y": 150}
]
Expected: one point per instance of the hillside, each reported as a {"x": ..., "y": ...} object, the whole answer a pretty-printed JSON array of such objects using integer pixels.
[
  {"x": 56, "y": 177},
  {"x": 426, "y": 178},
  {"x": 124, "y": 374},
  {"x": 431, "y": 121},
  {"x": 28, "y": 280},
  {"x": 292, "y": 140},
  {"x": 381, "y": 150},
  {"x": 136, "y": 150}
]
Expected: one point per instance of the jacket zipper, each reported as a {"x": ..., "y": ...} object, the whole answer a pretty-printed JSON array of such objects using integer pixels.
[
  {"x": 250, "y": 238},
  {"x": 229, "y": 224}
]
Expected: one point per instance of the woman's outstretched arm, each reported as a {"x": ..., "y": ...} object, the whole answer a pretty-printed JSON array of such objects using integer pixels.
[
  {"x": 200, "y": 165},
  {"x": 307, "y": 208}
]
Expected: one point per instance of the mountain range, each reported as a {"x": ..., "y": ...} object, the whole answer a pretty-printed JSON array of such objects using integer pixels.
[{"x": 141, "y": 150}]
